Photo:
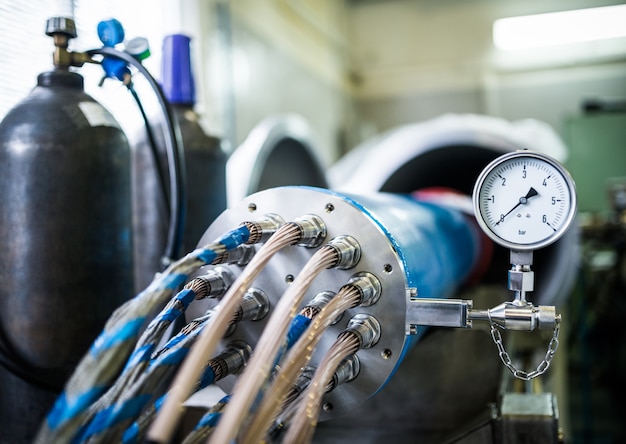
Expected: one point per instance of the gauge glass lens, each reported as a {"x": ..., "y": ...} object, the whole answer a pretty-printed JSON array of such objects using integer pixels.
[{"x": 525, "y": 201}]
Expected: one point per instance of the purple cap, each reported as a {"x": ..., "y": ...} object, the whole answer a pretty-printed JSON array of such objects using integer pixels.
[{"x": 176, "y": 76}]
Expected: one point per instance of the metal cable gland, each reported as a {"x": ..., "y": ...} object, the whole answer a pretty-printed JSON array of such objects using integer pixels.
[
  {"x": 313, "y": 230},
  {"x": 255, "y": 305},
  {"x": 240, "y": 255},
  {"x": 347, "y": 371},
  {"x": 368, "y": 286},
  {"x": 367, "y": 329},
  {"x": 304, "y": 379},
  {"x": 261, "y": 230},
  {"x": 320, "y": 300},
  {"x": 348, "y": 251},
  {"x": 236, "y": 355},
  {"x": 214, "y": 283}
]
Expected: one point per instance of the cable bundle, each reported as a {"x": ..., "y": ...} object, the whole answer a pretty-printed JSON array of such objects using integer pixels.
[
  {"x": 110, "y": 353},
  {"x": 133, "y": 382}
]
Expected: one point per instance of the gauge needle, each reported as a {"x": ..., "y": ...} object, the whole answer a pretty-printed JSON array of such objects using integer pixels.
[{"x": 522, "y": 200}]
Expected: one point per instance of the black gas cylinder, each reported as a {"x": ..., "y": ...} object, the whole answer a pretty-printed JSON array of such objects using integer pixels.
[
  {"x": 205, "y": 169},
  {"x": 65, "y": 231}
]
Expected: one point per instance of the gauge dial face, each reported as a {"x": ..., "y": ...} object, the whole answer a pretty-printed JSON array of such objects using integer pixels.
[{"x": 524, "y": 200}]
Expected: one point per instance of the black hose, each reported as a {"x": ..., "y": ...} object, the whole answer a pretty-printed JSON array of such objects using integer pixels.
[
  {"x": 175, "y": 157},
  {"x": 153, "y": 150}
]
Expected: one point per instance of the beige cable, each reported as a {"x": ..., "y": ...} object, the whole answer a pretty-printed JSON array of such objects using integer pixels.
[
  {"x": 298, "y": 357},
  {"x": 306, "y": 415},
  {"x": 172, "y": 409},
  {"x": 256, "y": 373}
]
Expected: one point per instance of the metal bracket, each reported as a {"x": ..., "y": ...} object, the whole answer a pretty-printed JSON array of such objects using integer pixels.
[
  {"x": 439, "y": 312},
  {"x": 459, "y": 313}
]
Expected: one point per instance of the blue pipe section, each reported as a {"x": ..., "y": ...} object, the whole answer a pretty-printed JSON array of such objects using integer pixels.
[{"x": 439, "y": 245}]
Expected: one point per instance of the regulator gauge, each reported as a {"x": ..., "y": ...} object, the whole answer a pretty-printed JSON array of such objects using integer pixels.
[{"x": 524, "y": 200}]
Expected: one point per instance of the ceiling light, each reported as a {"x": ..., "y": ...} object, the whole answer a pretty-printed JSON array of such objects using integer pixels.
[{"x": 559, "y": 28}]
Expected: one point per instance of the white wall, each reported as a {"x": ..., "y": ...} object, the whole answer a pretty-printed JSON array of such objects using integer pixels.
[
  {"x": 418, "y": 59},
  {"x": 275, "y": 56},
  {"x": 352, "y": 68}
]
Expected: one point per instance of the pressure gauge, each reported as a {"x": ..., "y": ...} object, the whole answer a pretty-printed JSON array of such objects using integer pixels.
[{"x": 524, "y": 200}]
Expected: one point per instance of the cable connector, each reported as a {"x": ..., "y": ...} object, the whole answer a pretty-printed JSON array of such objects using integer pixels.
[
  {"x": 319, "y": 301},
  {"x": 261, "y": 230},
  {"x": 313, "y": 230},
  {"x": 231, "y": 360},
  {"x": 367, "y": 285},
  {"x": 366, "y": 328},
  {"x": 347, "y": 371},
  {"x": 212, "y": 284},
  {"x": 348, "y": 252},
  {"x": 239, "y": 255},
  {"x": 254, "y": 306},
  {"x": 304, "y": 379}
]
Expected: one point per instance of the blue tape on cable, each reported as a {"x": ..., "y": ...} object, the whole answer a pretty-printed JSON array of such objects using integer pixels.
[
  {"x": 129, "y": 409},
  {"x": 159, "y": 402},
  {"x": 298, "y": 324},
  {"x": 115, "y": 414},
  {"x": 131, "y": 435},
  {"x": 169, "y": 315},
  {"x": 208, "y": 377},
  {"x": 235, "y": 237},
  {"x": 175, "y": 357},
  {"x": 173, "y": 342},
  {"x": 173, "y": 281},
  {"x": 186, "y": 296},
  {"x": 97, "y": 424},
  {"x": 107, "y": 339},
  {"x": 64, "y": 409},
  {"x": 142, "y": 354},
  {"x": 209, "y": 420},
  {"x": 205, "y": 255}
]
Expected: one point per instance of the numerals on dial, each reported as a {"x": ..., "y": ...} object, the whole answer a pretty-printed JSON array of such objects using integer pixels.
[{"x": 524, "y": 200}]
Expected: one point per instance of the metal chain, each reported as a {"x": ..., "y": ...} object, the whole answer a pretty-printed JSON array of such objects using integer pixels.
[{"x": 543, "y": 365}]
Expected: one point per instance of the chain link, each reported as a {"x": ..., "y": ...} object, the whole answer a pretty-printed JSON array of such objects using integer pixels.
[{"x": 543, "y": 365}]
